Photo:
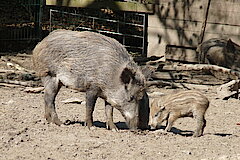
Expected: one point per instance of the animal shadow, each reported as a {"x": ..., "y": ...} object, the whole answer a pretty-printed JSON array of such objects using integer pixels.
[
  {"x": 184, "y": 133},
  {"x": 222, "y": 134},
  {"x": 120, "y": 125},
  {"x": 177, "y": 131}
]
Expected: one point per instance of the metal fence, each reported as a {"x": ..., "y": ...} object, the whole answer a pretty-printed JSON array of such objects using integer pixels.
[
  {"x": 20, "y": 23},
  {"x": 25, "y": 22},
  {"x": 127, "y": 27}
]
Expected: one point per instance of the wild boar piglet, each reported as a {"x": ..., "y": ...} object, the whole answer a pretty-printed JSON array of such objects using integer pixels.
[{"x": 182, "y": 104}]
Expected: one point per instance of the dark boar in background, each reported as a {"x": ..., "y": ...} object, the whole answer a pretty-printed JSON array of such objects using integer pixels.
[{"x": 220, "y": 52}]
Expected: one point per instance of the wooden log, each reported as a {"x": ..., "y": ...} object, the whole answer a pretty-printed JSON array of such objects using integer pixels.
[
  {"x": 73, "y": 100},
  {"x": 228, "y": 90},
  {"x": 33, "y": 90},
  {"x": 9, "y": 85},
  {"x": 15, "y": 65},
  {"x": 167, "y": 76},
  {"x": 155, "y": 94},
  {"x": 14, "y": 71},
  {"x": 16, "y": 82},
  {"x": 208, "y": 67},
  {"x": 160, "y": 83},
  {"x": 181, "y": 53}
]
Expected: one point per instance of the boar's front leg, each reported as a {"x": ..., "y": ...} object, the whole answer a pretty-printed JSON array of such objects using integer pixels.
[
  {"x": 52, "y": 86},
  {"x": 91, "y": 98},
  {"x": 171, "y": 119},
  {"x": 109, "y": 117}
]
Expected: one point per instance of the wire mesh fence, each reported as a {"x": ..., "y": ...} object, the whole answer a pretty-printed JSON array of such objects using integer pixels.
[
  {"x": 20, "y": 23},
  {"x": 25, "y": 22},
  {"x": 128, "y": 28}
]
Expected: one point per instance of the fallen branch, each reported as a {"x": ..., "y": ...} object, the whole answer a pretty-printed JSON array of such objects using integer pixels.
[
  {"x": 166, "y": 75},
  {"x": 15, "y": 65},
  {"x": 228, "y": 90},
  {"x": 9, "y": 85},
  {"x": 163, "y": 84},
  {"x": 73, "y": 100},
  {"x": 155, "y": 94},
  {"x": 14, "y": 71},
  {"x": 33, "y": 90},
  {"x": 16, "y": 82}
]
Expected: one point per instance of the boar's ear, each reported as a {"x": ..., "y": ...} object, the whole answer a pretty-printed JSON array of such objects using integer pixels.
[
  {"x": 148, "y": 71},
  {"x": 127, "y": 75},
  {"x": 230, "y": 46}
]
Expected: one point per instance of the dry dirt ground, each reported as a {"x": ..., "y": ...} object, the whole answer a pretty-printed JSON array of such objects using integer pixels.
[{"x": 25, "y": 134}]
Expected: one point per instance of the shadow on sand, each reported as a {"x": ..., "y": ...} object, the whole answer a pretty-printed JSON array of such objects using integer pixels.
[{"x": 120, "y": 125}]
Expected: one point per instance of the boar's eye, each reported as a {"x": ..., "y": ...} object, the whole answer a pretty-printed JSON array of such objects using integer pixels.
[
  {"x": 156, "y": 114},
  {"x": 131, "y": 98}
]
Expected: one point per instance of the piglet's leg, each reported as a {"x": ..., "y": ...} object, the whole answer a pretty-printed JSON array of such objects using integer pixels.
[
  {"x": 172, "y": 117},
  {"x": 201, "y": 124}
]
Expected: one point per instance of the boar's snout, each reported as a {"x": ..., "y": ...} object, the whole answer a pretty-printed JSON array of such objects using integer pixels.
[
  {"x": 131, "y": 120},
  {"x": 132, "y": 123},
  {"x": 153, "y": 123}
]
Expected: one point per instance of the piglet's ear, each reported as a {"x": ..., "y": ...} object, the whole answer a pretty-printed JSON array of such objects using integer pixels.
[
  {"x": 127, "y": 75},
  {"x": 162, "y": 108}
]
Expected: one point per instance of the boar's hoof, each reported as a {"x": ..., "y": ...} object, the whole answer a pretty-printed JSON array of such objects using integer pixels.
[
  {"x": 88, "y": 124},
  {"x": 197, "y": 135},
  {"x": 57, "y": 121},
  {"x": 92, "y": 128},
  {"x": 112, "y": 126},
  {"x": 153, "y": 127},
  {"x": 53, "y": 119}
]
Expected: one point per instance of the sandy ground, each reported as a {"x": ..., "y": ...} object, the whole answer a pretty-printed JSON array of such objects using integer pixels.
[{"x": 25, "y": 134}]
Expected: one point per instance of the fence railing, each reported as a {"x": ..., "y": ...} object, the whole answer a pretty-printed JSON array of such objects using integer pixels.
[{"x": 130, "y": 33}]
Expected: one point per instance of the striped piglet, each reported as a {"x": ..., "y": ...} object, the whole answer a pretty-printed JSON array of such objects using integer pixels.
[{"x": 181, "y": 104}]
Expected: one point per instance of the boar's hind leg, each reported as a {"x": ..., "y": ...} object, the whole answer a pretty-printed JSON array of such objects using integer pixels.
[
  {"x": 109, "y": 117},
  {"x": 201, "y": 124},
  {"x": 91, "y": 98},
  {"x": 52, "y": 86}
]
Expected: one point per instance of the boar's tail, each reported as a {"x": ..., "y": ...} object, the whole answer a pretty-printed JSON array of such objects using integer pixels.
[
  {"x": 43, "y": 73},
  {"x": 46, "y": 72}
]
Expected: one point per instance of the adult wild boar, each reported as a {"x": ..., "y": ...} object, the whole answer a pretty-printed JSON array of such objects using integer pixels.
[
  {"x": 144, "y": 112},
  {"x": 220, "y": 52},
  {"x": 92, "y": 63},
  {"x": 181, "y": 104}
]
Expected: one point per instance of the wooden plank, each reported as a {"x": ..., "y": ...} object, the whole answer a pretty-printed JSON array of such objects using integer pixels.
[
  {"x": 180, "y": 10},
  {"x": 224, "y": 12},
  {"x": 181, "y": 54},
  {"x": 114, "y": 5},
  {"x": 166, "y": 76},
  {"x": 222, "y": 31}
]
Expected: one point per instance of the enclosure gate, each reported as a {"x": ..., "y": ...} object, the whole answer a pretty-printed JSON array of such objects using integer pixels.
[
  {"x": 20, "y": 23},
  {"x": 130, "y": 29}
]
